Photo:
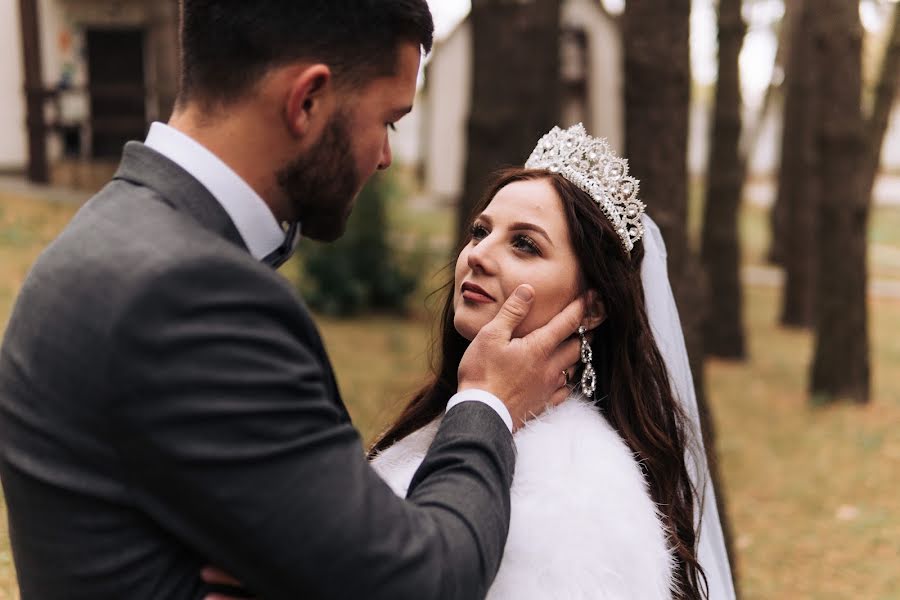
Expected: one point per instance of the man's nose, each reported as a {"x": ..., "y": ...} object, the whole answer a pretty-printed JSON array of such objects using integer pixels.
[{"x": 386, "y": 155}]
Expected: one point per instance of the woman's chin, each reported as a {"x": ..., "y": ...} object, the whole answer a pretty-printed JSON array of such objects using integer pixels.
[{"x": 467, "y": 326}]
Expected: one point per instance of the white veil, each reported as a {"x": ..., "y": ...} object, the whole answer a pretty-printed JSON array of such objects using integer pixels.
[{"x": 666, "y": 327}]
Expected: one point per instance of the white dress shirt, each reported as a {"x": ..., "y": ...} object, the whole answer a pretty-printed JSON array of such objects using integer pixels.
[{"x": 251, "y": 216}]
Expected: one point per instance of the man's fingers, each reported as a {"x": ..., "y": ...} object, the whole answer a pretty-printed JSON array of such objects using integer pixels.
[
  {"x": 514, "y": 310},
  {"x": 566, "y": 354},
  {"x": 559, "y": 396},
  {"x": 560, "y": 327},
  {"x": 571, "y": 380},
  {"x": 219, "y": 577}
]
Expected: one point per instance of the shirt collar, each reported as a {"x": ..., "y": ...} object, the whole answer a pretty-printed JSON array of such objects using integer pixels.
[{"x": 261, "y": 232}]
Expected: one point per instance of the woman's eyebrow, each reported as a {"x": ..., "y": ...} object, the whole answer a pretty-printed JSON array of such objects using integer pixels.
[{"x": 531, "y": 227}]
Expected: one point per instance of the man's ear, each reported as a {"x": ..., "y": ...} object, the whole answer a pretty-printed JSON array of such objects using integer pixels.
[
  {"x": 305, "y": 104},
  {"x": 595, "y": 312}
]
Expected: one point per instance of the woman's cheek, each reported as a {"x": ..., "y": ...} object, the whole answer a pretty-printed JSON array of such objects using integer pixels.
[
  {"x": 537, "y": 317},
  {"x": 544, "y": 308}
]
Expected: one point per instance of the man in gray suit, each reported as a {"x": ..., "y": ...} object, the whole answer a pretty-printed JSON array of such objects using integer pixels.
[{"x": 165, "y": 398}]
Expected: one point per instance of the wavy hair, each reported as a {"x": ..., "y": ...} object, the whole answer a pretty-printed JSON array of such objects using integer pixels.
[{"x": 633, "y": 385}]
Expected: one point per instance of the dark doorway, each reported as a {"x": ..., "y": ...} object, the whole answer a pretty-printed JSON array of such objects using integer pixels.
[{"x": 117, "y": 89}]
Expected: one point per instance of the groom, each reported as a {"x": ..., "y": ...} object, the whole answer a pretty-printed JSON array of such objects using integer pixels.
[{"x": 165, "y": 398}]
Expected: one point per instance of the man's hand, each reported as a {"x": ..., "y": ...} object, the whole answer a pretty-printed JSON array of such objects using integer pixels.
[
  {"x": 219, "y": 578},
  {"x": 526, "y": 374}
]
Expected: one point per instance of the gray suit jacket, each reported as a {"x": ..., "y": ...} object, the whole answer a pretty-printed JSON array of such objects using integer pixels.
[{"x": 166, "y": 402}]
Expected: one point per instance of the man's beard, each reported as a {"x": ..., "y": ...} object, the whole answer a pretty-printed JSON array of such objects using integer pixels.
[{"x": 321, "y": 185}]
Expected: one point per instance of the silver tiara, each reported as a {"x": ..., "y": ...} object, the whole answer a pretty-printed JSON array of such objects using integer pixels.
[{"x": 590, "y": 164}]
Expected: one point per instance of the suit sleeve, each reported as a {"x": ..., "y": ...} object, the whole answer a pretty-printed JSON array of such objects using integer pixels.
[{"x": 236, "y": 449}]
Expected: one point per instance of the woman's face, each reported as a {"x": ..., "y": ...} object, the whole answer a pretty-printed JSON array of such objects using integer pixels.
[{"x": 521, "y": 237}]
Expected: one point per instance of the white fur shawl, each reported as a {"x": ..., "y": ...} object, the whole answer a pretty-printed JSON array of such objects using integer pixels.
[{"x": 583, "y": 525}]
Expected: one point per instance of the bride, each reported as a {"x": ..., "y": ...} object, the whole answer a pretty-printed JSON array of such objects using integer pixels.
[
  {"x": 611, "y": 497},
  {"x": 606, "y": 487}
]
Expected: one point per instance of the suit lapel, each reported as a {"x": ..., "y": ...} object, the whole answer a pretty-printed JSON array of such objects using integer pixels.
[
  {"x": 330, "y": 379},
  {"x": 145, "y": 167}
]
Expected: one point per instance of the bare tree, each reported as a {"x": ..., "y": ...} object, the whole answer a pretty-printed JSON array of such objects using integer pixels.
[
  {"x": 778, "y": 214},
  {"x": 797, "y": 179},
  {"x": 657, "y": 101},
  {"x": 840, "y": 366},
  {"x": 515, "y": 91},
  {"x": 29, "y": 17},
  {"x": 720, "y": 251}
]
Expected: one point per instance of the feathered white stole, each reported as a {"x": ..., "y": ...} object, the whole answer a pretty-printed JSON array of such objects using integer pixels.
[{"x": 583, "y": 525}]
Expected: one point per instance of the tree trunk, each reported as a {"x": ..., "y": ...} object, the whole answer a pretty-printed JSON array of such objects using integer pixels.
[
  {"x": 724, "y": 330},
  {"x": 841, "y": 361},
  {"x": 38, "y": 170},
  {"x": 778, "y": 213},
  {"x": 797, "y": 180},
  {"x": 885, "y": 98},
  {"x": 515, "y": 90},
  {"x": 657, "y": 101}
]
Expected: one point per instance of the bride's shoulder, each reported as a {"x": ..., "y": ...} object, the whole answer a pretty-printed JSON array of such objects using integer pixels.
[
  {"x": 572, "y": 454},
  {"x": 397, "y": 463},
  {"x": 579, "y": 490}
]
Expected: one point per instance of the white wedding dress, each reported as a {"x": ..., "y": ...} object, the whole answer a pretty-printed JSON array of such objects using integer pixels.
[{"x": 583, "y": 525}]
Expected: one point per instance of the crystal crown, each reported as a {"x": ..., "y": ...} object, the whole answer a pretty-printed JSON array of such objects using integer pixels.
[{"x": 590, "y": 164}]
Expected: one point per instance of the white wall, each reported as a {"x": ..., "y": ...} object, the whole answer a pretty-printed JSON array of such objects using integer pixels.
[
  {"x": 13, "y": 148},
  {"x": 52, "y": 26},
  {"x": 605, "y": 81},
  {"x": 448, "y": 82},
  {"x": 13, "y": 141},
  {"x": 406, "y": 142},
  {"x": 890, "y": 152}
]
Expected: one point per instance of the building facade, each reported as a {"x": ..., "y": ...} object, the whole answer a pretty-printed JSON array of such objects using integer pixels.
[{"x": 107, "y": 68}]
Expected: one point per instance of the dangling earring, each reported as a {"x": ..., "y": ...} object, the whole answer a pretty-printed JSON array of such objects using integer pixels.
[{"x": 588, "y": 377}]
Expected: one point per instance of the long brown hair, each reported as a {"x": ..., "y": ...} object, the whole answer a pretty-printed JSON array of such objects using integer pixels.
[{"x": 632, "y": 382}]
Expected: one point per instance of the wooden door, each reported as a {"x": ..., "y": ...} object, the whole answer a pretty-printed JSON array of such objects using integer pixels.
[{"x": 117, "y": 89}]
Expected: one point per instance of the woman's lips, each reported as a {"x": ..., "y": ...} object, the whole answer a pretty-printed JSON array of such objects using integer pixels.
[{"x": 475, "y": 293}]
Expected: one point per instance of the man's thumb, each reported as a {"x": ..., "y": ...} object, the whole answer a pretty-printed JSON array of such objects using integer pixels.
[{"x": 515, "y": 309}]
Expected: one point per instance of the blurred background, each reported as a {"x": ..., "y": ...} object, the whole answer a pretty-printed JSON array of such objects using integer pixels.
[{"x": 766, "y": 134}]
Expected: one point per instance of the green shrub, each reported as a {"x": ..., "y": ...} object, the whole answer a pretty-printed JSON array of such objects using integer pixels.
[{"x": 362, "y": 271}]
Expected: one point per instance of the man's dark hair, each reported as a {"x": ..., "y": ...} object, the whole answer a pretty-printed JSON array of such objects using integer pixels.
[{"x": 228, "y": 45}]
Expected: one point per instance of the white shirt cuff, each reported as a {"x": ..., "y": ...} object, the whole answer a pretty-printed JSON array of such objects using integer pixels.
[{"x": 484, "y": 397}]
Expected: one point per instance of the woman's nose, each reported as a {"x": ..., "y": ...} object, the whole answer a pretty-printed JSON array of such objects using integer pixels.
[{"x": 481, "y": 257}]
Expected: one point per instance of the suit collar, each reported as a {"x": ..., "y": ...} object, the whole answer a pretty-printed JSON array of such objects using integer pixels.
[
  {"x": 145, "y": 167},
  {"x": 260, "y": 230}
]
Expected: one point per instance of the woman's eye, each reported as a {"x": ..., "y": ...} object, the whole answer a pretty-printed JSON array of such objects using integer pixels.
[
  {"x": 392, "y": 126},
  {"x": 526, "y": 244},
  {"x": 478, "y": 231}
]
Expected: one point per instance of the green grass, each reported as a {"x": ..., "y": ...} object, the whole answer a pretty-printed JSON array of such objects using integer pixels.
[
  {"x": 379, "y": 362},
  {"x": 812, "y": 491},
  {"x": 792, "y": 470}
]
